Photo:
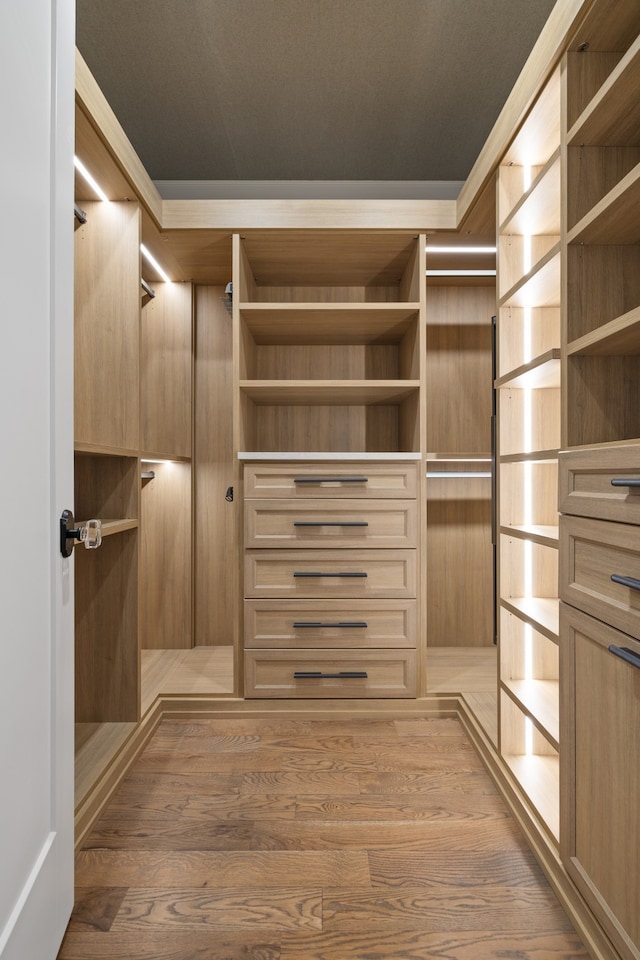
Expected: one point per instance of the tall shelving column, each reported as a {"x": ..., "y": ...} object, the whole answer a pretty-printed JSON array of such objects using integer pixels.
[
  {"x": 528, "y": 384},
  {"x": 600, "y": 472}
]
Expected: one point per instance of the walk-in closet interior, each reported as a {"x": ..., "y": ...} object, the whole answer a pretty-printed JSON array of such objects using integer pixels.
[{"x": 331, "y": 478}]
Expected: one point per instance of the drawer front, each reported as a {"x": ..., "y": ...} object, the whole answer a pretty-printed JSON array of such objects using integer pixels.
[
  {"x": 323, "y": 573},
  {"x": 331, "y": 481},
  {"x": 594, "y": 551},
  {"x": 330, "y": 624},
  {"x": 603, "y": 483},
  {"x": 375, "y": 673},
  {"x": 340, "y": 523}
]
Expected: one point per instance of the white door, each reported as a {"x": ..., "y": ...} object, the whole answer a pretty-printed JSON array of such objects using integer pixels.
[{"x": 36, "y": 475}]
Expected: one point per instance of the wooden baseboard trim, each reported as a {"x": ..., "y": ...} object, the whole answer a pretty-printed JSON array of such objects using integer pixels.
[
  {"x": 188, "y": 707},
  {"x": 542, "y": 846}
]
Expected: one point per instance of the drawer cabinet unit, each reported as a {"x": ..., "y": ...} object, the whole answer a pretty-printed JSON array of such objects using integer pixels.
[
  {"x": 601, "y": 778},
  {"x": 330, "y": 580}
]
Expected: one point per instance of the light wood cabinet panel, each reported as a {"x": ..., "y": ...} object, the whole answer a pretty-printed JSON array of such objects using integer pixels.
[
  {"x": 331, "y": 574},
  {"x": 330, "y": 624},
  {"x": 603, "y": 483},
  {"x": 593, "y": 553},
  {"x": 374, "y": 673},
  {"x": 166, "y": 559},
  {"x": 107, "y": 326},
  {"x": 330, "y": 481},
  {"x": 166, "y": 371},
  {"x": 337, "y": 524},
  {"x": 601, "y": 780},
  {"x": 217, "y": 532},
  {"x": 106, "y": 631}
]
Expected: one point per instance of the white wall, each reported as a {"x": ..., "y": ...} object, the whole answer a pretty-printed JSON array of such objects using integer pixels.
[{"x": 36, "y": 480}]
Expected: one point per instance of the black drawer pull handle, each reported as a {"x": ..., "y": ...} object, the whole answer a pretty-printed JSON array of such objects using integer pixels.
[
  {"x": 317, "y": 675},
  {"x": 626, "y": 482},
  {"x": 331, "y": 523},
  {"x": 626, "y": 654},
  {"x": 317, "y": 624},
  {"x": 303, "y": 573},
  {"x": 626, "y": 581},
  {"x": 331, "y": 479}
]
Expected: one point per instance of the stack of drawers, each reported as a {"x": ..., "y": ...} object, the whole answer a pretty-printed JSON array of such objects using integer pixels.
[
  {"x": 330, "y": 580},
  {"x": 600, "y": 682}
]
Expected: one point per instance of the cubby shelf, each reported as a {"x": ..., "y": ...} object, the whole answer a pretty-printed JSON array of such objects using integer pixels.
[
  {"x": 540, "y": 286},
  {"x": 538, "y": 699},
  {"x": 542, "y": 613},
  {"x": 538, "y": 211},
  {"x": 318, "y": 323},
  {"x": 614, "y": 219},
  {"x": 539, "y": 775},
  {"x": 618, "y": 337},
  {"x": 541, "y": 373},
  {"x": 613, "y": 115}
]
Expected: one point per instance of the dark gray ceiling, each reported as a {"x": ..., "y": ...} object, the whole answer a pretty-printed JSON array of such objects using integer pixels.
[{"x": 366, "y": 90}]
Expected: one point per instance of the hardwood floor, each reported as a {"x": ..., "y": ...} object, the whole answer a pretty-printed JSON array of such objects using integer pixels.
[{"x": 311, "y": 840}]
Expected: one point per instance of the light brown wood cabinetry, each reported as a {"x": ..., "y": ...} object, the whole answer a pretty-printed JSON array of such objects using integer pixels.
[
  {"x": 329, "y": 372},
  {"x": 599, "y": 555}
]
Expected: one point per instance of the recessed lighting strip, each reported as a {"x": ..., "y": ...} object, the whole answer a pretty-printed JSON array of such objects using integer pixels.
[
  {"x": 153, "y": 262},
  {"x": 84, "y": 173}
]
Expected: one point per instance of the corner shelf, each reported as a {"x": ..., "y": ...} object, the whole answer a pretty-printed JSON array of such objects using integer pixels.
[
  {"x": 537, "y": 211},
  {"x": 540, "y": 286},
  {"x": 618, "y": 337},
  {"x": 542, "y": 613},
  {"x": 541, "y": 373},
  {"x": 613, "y": 220},
  {"x": 613, "y": 115}
]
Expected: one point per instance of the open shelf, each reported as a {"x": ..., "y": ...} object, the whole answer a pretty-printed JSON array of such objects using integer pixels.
[
  {"x": 538, "y": 699},
  {"x": 540, "y": 373},
  {"x": 111, "y": 527},
  {"x": 542, "y": 613},
  {"x": 614, "y": 218},
  {"x": 618, "y": 337},
  {"x": 320, "y": 323},
  {"x": 539, "y": 286},
  {"x": 538, "y": 210},
  {"x": 529, "y": 420},
  {"x": 524, "y": 334},
  {"x": 546, "y": 535},
  {"x": 613, "y": 115},
  {"x": 328, "y": 392}
]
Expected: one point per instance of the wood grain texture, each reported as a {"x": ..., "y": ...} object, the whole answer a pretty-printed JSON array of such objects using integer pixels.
[
  {"x": 214, "y": 472},
  {"x": 328, "y": 856},
  {"x": 107, "y": 325},
  {"x": 166, "y": 359},
  {"x": 166, "y": 558}
]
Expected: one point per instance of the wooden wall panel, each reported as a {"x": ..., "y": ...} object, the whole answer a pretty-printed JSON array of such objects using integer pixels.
[
  {"x": 166, "y": 558},
  {"x": 459, "y": 368},
  {"x": 166, "y": 359},
  {"x": 215, "y": 530},
  {"x": 459, "y": 563},
  {"x": 107, "y": 325},
  {"x": 106, "y": 631}
]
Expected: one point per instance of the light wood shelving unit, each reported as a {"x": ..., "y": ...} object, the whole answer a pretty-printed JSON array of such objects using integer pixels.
[
  {"x": 330, "y": 367},
  {"x": 529, "y": 436},
  {"x": 601, "y": 412}
]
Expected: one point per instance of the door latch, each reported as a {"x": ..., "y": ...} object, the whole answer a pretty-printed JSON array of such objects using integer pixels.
[{"x": 90, "y": 533}]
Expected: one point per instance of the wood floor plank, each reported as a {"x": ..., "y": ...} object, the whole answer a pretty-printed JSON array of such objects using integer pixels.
[
  {"x": 485, "y": 907},
  {"x": 139, "y": 834},
  {"x": 201, "y": 746},
  {"x": 461, "y": 868},
  {"x": 374, "y": 808},
  {"x": 172, "y": 945},
  {"x": 279, "y": 908},
  {"x": 385, "y": 835},
  {"x": 281, "y": 726},
  {"x": 252, "y": 807},
  {"x": 197, "y": 868},
  {"x": 420, "y": 944},
  {"x": 448, "y": 782}
]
